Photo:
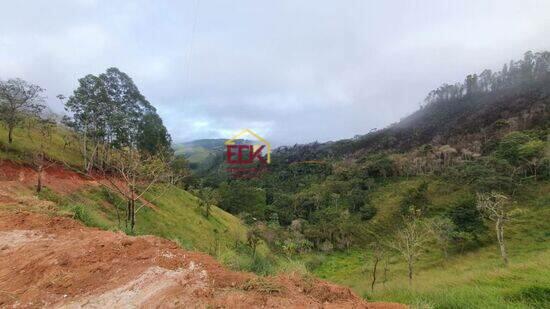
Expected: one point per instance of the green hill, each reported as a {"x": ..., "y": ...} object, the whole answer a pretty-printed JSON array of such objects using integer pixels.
[
  {"x": 203, "y": 153},
  {"x": 170, "y": 212}
]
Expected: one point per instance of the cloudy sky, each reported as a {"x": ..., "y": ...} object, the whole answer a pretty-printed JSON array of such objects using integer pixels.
[{"x": 294, "y": 71}]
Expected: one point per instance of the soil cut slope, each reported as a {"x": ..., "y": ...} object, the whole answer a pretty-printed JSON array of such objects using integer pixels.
[{"x": 56, "y": 262}]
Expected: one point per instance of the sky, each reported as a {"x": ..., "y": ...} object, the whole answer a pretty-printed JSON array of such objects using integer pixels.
[{"x": 294, "y": 71}]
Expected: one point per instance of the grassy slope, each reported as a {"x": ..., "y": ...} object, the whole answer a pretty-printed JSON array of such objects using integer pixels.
[
  {"x": 26, "y": 142},
  {"x": 176, "y": 216},
  {"x": 472, "y": 280},
  {"x": 195, "y": 154}
]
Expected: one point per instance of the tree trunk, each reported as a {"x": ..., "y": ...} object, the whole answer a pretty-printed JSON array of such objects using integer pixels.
[
  {"x": 500, "y": 238},
  {"x": 385, "y": 272},
  {"x": 128, "y": 207},
  {"x": 10, "y": 134},
  {"x": 85, "y": 150},
  {"x": 374, "y": 275},
  {"x": 39, "y": 182},
  {"x": 133, "y": 216},
  {"x": 410, "y": 271}
]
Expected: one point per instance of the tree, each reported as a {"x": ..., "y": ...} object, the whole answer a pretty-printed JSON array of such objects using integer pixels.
[
  {"x": 44, "y": 127},
  {"x": 133, "y": 174},
  {"x": 466, "y": 217},
  {"x": 415, "y": 199},
  {"x": 92, "y": 112},
  {"x": 152, "y": 136},
  {"x": 495, "y": 207},
  {"x": 532, "y": 153},
  {"x": 378, "y": 253},
  {"x": 253, "y": 237},
  {"x": 180, "y": 170},
  {"x": 409, "y": 241},
  {"x": 207, "y": 198},
  {"x": 509, "y": 147},
  {"x": 18, "y": 99},
  {"x": 110, "y": 112},
  {"x": 127, "y": 107}
]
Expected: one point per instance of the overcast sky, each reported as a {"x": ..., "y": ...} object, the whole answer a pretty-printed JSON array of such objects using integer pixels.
[{"x": 294, "y": 71}]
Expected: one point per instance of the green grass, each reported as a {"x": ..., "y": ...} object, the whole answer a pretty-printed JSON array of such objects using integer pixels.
[
  {"x": 27, "y": 142},
  {"x": 175, "y": 216},
  {"x": 475, "y": 279}
]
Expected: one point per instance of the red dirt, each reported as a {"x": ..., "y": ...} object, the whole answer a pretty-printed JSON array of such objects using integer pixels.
[
  {"x": 55, "y": 261},
  {"x": 54, "y": 177}
]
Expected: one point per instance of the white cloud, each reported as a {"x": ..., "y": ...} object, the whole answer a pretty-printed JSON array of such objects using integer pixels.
[{"x": 292, "y": 71}]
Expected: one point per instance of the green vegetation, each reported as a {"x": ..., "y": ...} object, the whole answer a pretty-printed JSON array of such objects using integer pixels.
[
  {"x": 413, "y": 213},
  {"x": 475, "y": 279},
  {"x": 26, "y": 143},
  {"x": 417, "y": 198}
]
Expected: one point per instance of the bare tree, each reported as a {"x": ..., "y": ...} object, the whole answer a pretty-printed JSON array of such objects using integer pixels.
[
  {"x": 133, "y": 174},
  {"x": 378, "y": 253},
  {"x": 18, "y": 99},
  {"x": 410, "y": 240},
  {"x": 40, "y": 162},
  {"x": 496, "y": 207}
]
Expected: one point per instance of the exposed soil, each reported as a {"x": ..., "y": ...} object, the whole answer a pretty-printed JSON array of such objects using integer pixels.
[
  {"x": 54, "y": 177},
  {"x": 56, "y": 262}
]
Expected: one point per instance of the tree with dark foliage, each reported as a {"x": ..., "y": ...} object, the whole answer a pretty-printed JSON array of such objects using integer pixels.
[{"x": 19, "y": 99}]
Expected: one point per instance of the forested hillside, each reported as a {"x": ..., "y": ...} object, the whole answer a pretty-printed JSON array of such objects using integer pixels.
[
  {"x": 462, "y": 114},
  {"x": 459, "y": 183}
]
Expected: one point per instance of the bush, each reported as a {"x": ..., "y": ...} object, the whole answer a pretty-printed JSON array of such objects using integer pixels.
[
  {"x": 81, "y": 214},
  {"x": 415, "y": 199}
]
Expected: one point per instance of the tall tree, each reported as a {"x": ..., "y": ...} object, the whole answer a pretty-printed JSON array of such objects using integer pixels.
[
  {"x": 18, "y": 99},
  {"x": 110, "y": 112},
  {"x": 91, "y": 111},
  {"x": 152, "y": 136},
  {"x": 127, "y": 104}
]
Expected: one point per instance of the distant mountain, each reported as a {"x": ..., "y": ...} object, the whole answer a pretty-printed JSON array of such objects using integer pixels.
[{"x": 201, "y": 152}]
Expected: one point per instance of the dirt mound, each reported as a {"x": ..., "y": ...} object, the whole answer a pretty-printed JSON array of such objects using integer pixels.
[{"x": 56, "y": 262}]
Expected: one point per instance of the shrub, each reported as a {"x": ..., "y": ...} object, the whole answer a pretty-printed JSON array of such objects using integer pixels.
[{"x": 81, "y": 214}]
